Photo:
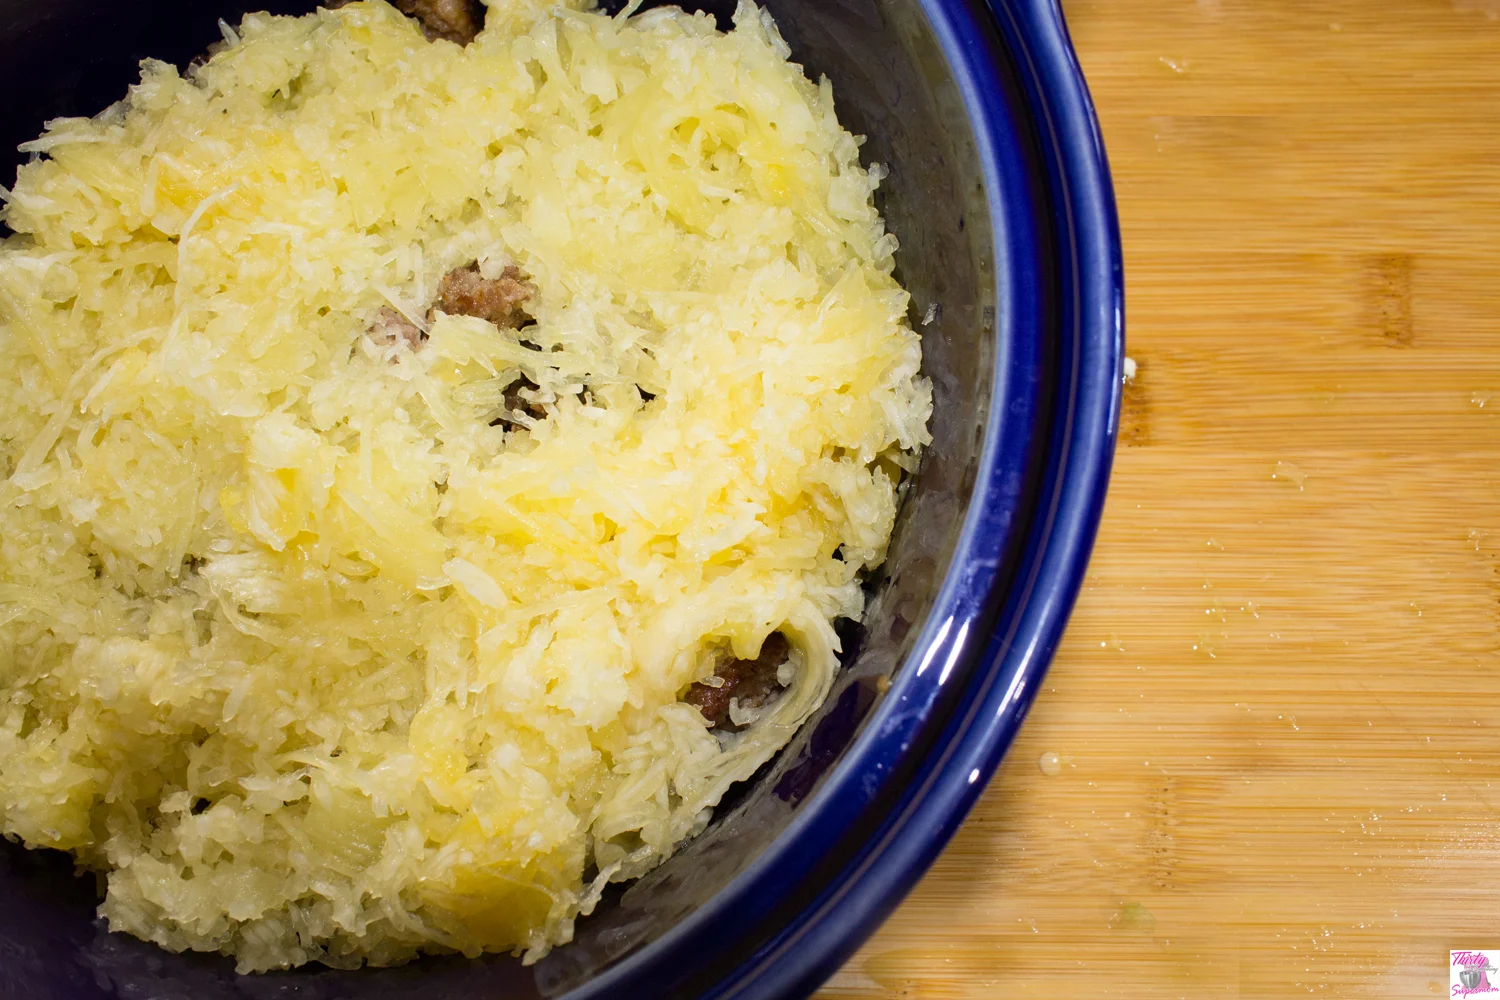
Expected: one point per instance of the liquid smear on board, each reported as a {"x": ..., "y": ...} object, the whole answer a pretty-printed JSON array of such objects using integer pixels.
[{"x": 1286, "y": 472}]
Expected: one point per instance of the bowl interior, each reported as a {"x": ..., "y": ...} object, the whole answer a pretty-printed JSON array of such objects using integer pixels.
[{"x": 893, "y": 85}]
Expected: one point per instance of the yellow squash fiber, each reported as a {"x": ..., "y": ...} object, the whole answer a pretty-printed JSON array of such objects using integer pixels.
[{"x": 310, "y": 655}]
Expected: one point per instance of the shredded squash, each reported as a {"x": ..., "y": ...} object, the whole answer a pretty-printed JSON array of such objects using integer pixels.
[{"x": 312, "y": 655}]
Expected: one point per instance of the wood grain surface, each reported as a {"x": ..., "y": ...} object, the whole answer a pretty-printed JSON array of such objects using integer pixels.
[{"x": 1275, "y": 714}]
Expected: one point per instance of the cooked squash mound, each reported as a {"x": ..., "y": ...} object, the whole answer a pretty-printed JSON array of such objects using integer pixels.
[{"x": 309, "y": 643}]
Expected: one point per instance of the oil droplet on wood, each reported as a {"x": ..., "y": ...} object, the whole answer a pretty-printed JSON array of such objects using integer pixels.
[
  {"x": 1288, "y": 473},
  {"x": 1051, "y": 764},
  {"x": 1133, "y": 917}
]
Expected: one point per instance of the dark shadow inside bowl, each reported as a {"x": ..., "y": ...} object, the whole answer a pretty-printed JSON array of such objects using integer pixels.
[{"x": 893, "y": 85}]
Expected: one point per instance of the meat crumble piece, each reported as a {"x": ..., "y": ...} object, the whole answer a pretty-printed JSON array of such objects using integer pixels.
[
  {"x": 390, "y": 327},
  {"x": 465, "y": 292},
  {"x": 752, "y": 683},
  {"x": 456, "y": 20}
]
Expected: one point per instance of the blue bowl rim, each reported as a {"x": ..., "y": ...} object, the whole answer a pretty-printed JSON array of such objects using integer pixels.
[{"x": 992, "y": 632}]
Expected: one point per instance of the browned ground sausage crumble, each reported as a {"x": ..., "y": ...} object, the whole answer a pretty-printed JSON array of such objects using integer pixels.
[
  {"x": 465, "y": 292},
  {"x": 750, "y": 683},
  {"x": 457, "y": 21}
]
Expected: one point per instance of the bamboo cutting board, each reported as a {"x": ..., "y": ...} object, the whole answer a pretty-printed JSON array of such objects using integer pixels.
[{"x": 1274, "y": 719}]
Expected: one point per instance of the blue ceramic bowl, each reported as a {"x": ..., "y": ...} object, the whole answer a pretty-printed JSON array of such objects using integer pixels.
[{"x": 1000, "y": 195}]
